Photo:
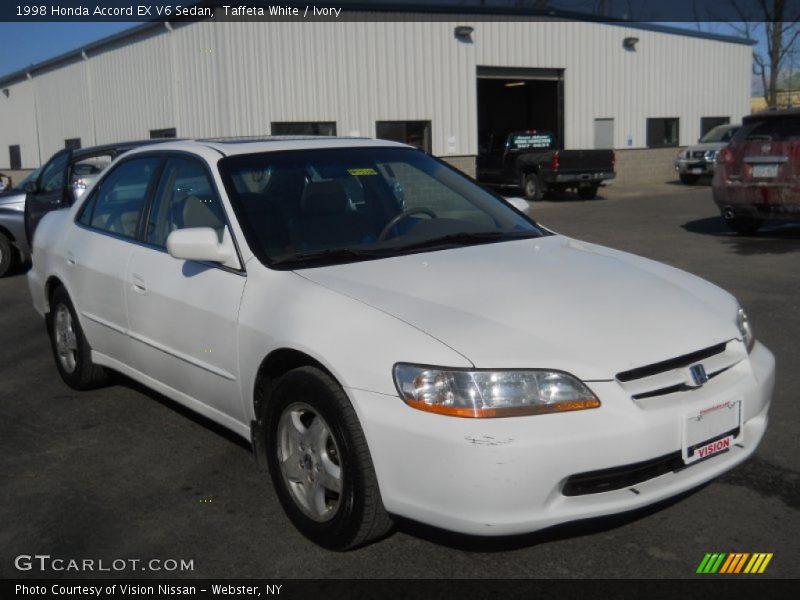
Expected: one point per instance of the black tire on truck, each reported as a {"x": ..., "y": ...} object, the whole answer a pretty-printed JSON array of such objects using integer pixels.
[
  {"x": 587, "y": 192},
  {"x": 532, "y": 187}
]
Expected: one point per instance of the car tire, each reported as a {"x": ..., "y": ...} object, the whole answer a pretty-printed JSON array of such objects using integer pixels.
[
  {"x": 744, "y": 225},
  {"x": 315, "y": 445},
  {"x": 687, "y": 179},
  {"x": 71, "y": 350},
  {"x": 8, "y": 256},
  {"x": 532, "y": 187},
  {"x": 587, "y": 192}
]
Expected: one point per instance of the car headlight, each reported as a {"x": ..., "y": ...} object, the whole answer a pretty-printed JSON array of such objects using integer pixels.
[
  {"x": 486, "y": 394},
  {"x": 711, "y": 155},
  {"x": 745, "y": 329}
]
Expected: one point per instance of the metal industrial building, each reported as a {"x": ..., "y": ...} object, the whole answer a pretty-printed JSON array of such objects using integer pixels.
[{"x": 444, "y": 81}]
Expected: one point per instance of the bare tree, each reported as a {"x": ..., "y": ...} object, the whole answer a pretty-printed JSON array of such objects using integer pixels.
[{"x": 780, "y": 20}]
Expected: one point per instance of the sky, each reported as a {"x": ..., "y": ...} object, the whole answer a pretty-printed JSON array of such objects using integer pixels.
[{"x": 23, "y": 44}]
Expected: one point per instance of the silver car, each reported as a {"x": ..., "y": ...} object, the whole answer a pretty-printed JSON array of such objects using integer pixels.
[
  {"x": 13, "y": 242},
  {"x": 698, "y": 160}
]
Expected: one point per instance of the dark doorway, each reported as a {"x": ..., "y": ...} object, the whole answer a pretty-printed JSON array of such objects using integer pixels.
[{"x": 519, "y": 99}]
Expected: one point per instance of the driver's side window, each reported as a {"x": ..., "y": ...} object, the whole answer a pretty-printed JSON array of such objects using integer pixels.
[
  {"x": 116, "y": 205},
  {"x": 54, "y": 174}
]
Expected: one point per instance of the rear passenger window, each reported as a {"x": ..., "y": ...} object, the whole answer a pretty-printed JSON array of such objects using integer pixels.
[
  {"x": 117, "y": 204},
  {"x": 185, "y": 198}
]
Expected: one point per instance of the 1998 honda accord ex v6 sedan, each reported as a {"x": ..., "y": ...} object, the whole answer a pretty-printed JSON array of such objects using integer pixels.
[{"x": 396, "y": 340}]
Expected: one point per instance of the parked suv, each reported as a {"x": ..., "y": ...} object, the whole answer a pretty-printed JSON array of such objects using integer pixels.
[
  {"x": 698, "y": 160},
  {"x": 756, "y": 176}
]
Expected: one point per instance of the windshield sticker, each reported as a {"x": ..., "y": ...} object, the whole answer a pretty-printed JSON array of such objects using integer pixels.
[{"x": 362, "y": 172}]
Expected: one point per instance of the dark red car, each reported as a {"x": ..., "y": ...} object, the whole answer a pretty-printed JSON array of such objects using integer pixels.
[{"x": 757, "y": 177}]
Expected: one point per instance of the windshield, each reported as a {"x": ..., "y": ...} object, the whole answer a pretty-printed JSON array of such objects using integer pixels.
[
  {"x": 303, "y": 208},
  {"x": 720, "y": 133},
  {"x": 772, "y": 129}
]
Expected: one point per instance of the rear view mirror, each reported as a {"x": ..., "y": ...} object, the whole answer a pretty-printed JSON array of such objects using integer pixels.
[
  {"x": 519, "y": 203},
  {"x": 200, "y": 244},
  {"x": 30, "y": 187}
]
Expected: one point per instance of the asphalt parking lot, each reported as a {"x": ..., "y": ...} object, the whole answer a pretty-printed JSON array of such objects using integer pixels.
[{"x": 124, "y": 473}]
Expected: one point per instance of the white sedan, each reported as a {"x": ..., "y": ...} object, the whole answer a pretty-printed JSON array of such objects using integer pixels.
[{"x": 395, "y": 340}]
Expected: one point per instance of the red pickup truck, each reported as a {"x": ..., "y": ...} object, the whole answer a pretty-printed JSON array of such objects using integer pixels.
[{"x": 757, "y": 177}]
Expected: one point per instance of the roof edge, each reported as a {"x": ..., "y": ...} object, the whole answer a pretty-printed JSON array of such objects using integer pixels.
[{"x": 456, "y": 10}]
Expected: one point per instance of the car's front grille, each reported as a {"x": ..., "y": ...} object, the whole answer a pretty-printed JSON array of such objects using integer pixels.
[
  {"x": 698, "y": 154},
  {"x": 670, "y": 364},
  {"x": 670, "y": 376},
  {"x": 616, "y": 478}
]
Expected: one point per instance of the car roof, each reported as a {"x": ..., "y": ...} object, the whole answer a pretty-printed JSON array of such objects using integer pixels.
[
  {"x": 231, "y": 146},
  {"x": 114, "y": 148},
  {"x": 772, "y": 113},
  {"x": 252, "y": 145}
]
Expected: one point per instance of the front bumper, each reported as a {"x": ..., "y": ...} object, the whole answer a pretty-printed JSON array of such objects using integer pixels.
[
  {"x": 694, "y": 166},
  {"x": 506, "y": 476}
]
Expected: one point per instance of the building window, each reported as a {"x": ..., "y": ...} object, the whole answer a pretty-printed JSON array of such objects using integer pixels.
[
  {"x": 708, "y": 123},
  {"x": 14, "y": 157},
  {"x": 169, "y": 132},
  {"x": 72, "y": 144},
  {"x": 413, "y": 133},
  {"x": 304, "y": 128},
  {"x": 662, "y": 133}
]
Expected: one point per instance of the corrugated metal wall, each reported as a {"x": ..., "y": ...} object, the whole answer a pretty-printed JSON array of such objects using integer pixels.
[
  {"x": 222, "y": 78},
  {"x": 18, "y": 124}
]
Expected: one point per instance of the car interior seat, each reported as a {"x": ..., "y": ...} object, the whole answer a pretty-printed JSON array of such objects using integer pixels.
[{"x": 326, "y": 218}]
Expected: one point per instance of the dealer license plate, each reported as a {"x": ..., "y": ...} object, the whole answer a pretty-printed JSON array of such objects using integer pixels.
[
  {"x": 711, "y": 430},
  {"x": 765, "y": 170},
  {"x": 696, "y": 171}
]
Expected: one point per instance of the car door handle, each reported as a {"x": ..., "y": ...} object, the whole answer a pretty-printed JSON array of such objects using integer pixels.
[
  {"x": 70, "y": 259},
  {"x": 137, "y": 284}
]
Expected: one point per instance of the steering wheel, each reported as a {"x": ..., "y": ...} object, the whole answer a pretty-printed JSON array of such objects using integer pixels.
[{"x": 404, "y": 215}]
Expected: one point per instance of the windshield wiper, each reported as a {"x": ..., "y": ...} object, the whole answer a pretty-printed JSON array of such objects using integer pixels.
[
  {"x": 329, "y": 254},
  {"x": 466, "y": 238}
]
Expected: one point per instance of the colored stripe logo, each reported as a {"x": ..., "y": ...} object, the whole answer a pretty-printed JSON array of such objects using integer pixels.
[{"x": 734, "y": 563}]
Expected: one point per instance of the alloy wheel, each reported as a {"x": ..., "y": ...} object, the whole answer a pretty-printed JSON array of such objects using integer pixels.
[
  {"x": 66, "y": 340},
  {"x": 310, "y": 461}
]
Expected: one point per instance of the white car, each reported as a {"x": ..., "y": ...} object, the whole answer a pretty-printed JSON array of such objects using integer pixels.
[{"x": 396, "y": 340}]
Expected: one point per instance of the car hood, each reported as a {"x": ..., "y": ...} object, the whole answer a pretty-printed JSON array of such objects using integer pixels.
[
  {"x": 549, "y": 302},
  {"x": 12, "y": 200},
  {"x": 708, "y": 146}
]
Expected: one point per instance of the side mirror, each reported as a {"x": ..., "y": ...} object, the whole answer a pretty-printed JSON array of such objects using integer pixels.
[
  {"x": 30, "y": 187},
  {"x": 200, "y": 244},
  {"x": 519, "y": 203}
]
